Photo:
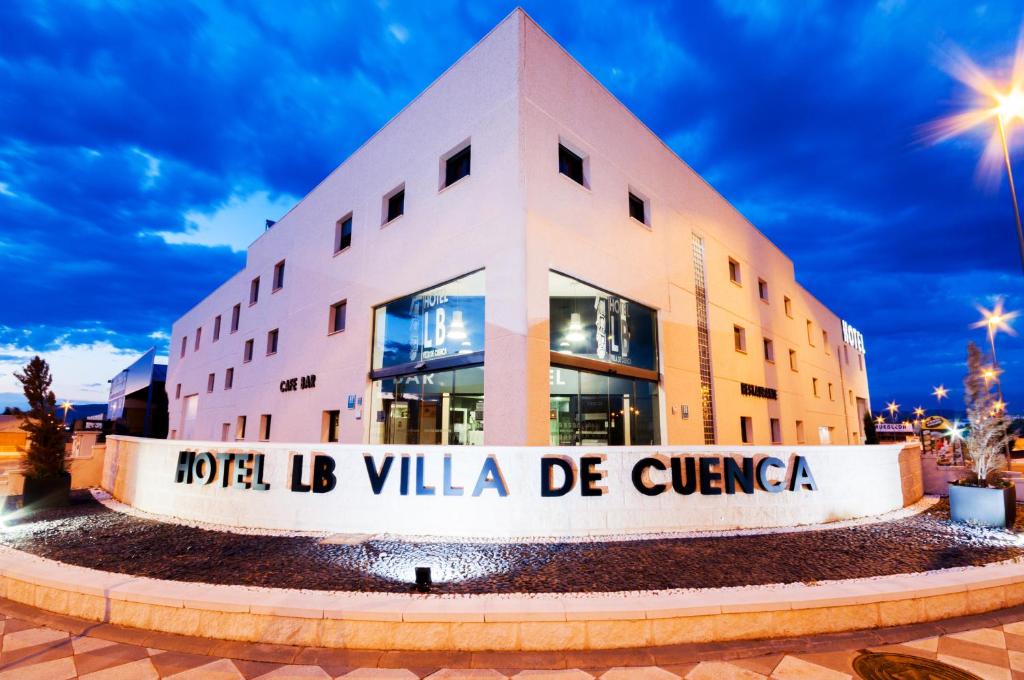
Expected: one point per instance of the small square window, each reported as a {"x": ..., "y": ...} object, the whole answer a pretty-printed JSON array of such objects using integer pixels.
[
  {"x": 272, "y": 342},
  {"x": 265, "y": 427},
  {"x": 637, "y": 208},
  {"x": 254, "y": 291},
  {"x": 762, "y": 289},
  {"x": 177, "y": 391},
  {"x": 216, "y": 328},
  {"x": 457, "y": 166},
  {"x": 247, "y": 351},
  {"x": 776, "y": 430},
  {"x": 788, "y": 304},
  {"x": 734, "y": 271},
  {"x": 339, "y": 310},
  {"x": 210, "y": 380},
  {"x": 343, "y": 233},
  {"x": 746, "y": 429},
  {"x": 792, "y": 359},
  {"x": 229, "y": 378},
  {"x": 240, "y": 428},
  {"x": 199, "y": 336},
  {"x": 278, "y": 276},
  {"x": 394, "y": 204},
  {"x": 331, "y": 420},
  {"x": 184, "y": 345},
  {"x": 236, "y": 314},
  {"x": 570, "y": 165},
  {"x": 769, "y": 350},
  {"x": 739, "y": 337}
]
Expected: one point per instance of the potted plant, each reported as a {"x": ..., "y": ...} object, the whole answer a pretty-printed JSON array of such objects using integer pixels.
[
  {"x": 47, "y": 481},
  {"x": 983, "y": 498}
]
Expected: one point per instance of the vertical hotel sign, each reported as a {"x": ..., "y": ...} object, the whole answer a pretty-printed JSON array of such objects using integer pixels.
[{"x": 853, "y": 338}]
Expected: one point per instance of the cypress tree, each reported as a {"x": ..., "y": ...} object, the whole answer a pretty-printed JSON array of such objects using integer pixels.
[
  {"x": 870, "y": 436},
  {"x": 45, "y": 457}
]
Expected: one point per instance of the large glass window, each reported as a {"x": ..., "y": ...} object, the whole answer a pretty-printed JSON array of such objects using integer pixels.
[
  {"x": 436, "y": 407},
  {"x": 595, "y": 324},
  {"x": 592, "y": 409}
]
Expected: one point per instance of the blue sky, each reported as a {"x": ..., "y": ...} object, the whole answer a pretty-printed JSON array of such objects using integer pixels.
[{"x": 143, "y": 144}]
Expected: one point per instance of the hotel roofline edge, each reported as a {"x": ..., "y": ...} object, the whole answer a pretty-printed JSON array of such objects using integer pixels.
[{"x": 544, "y": 159}]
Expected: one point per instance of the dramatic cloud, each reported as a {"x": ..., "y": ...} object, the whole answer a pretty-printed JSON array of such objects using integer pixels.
[{"x": 142, "y": 146}]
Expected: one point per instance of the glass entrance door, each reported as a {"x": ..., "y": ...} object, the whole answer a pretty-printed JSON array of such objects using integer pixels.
[
  {"x": 591, "y": 409},
  {"x": 439, "y": 407}
]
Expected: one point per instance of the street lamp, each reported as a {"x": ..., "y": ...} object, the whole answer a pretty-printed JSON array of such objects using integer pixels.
[
  {"x": 893, "y": 408},
  {"x": 67, "y": 407},
  {"x": 939, "y": 393}
]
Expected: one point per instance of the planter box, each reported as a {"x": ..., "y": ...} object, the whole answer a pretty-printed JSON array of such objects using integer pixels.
[
  {"x": 48, "y": 492},
  {"x": 983, "y": 506}
]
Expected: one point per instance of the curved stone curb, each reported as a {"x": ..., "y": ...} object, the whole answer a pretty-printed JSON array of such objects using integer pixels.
[{"x": 504, "y": 622}]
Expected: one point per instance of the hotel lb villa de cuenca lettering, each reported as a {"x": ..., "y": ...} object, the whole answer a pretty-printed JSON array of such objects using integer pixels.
[{"x": 419, "y": 475}]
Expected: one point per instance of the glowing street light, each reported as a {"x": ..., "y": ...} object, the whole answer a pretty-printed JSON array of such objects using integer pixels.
[
  {"x": 939, "y": 393},
  {"x": 880, "y": 420},
  {"x": 67, "y": 406},
  {"x": 955, "y": 431},
  {"x": 1004, "y": 103},
  {"x": 893, "y": 408}
]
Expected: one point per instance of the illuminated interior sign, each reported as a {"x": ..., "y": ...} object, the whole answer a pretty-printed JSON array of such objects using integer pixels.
[
  {"x": 595, "y": 324},
  {"x": 853, "y": 338},
  {"x": 443, "y": 321}
]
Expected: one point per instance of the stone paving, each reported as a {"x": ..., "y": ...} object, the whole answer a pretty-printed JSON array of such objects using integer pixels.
[{"x": 34, "y": 644}]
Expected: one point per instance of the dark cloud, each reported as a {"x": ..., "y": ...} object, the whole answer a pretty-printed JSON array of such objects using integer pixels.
[{"x": 117, "y": 120}]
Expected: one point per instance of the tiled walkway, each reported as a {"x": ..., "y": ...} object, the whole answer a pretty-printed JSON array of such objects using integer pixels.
[{"x": 50, "y": 647}]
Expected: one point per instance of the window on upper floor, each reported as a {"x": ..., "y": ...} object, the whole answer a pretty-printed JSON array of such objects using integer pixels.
[
  {"x": 177, "y": 391},
  {"x": 746, "y": 429},
  {"x": 860, "y": 361},
  {"x": 814, "y": 386},
  {"x": 457, "y": 166},
  {"x": 229, "y": 378},
  {"x": 810, "y": 333},
  {"x": 394, "y": 204},
  {"x": 792, "y": 359},
  {"x": 236, "y": 315},
  {"x": 199, "y": 336},
  {"x": 216, "y": 328},
  {"x": 734, "y": 271},
  {"x": 824, "y": 341},
  {"x": 831, "y": 395},
  {"x": 762, "y": 289},
  {"x": 278, "y": 276},
  {"x": 210, "y": 380},
  {"x": 240, "y": 428},
  {"x": 343, "y": 233},
  {"x": 739, "y": 338},
  {"x": 638, "y": 209},
  {"x": 272, "y": 342},
  {"x": 769, "y": 350},
  {"x": 336, "y": 322},
  {"x": 247, "y": 351},
  {"x": 254, "y": 291},
  {"x": 184, "y": 345},
  {"x": 788, "y": 305},
  {"x": 571, "y": 165}
]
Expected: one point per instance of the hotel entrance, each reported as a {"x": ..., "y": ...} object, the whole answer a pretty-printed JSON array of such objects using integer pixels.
[
  {"x": 439, "y": 407},
  {"x": 591, "y": 409}
]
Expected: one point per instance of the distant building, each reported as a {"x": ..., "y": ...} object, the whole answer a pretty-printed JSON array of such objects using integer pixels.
[{"x": 138, "y": 398}]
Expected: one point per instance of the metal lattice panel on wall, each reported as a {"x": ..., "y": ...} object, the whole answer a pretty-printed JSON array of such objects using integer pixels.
[{"x": 707, "y": 397}]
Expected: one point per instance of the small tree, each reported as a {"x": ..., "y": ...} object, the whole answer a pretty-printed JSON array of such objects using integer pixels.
[
  {"x": 987, "y": 441},
  {"x": 870, "y": 435},
  {"x": 45, "y": 456}
]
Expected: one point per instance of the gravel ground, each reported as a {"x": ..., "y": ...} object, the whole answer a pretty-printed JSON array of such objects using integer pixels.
[{"x": 90, "y": 535}]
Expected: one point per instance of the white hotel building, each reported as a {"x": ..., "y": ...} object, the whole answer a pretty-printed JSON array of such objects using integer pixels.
[{"x": 515, "y": 259}]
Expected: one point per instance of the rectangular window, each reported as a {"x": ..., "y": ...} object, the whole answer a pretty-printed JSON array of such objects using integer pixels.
[
  {"x": 637, "y": 208},
  {"x": 229, "y": 378},
  {"x": 278, "y": 276},
  {"x": 860, "y": 361},
  {"x": 776, "y": 430},
  {"x": 769, "y": 350},
  {"x": 240, "y": 428},
  {"x": 846, "y": 353},
  {"x": 810, "y": 333},
  {"x": 236, "y": 314},
  {"x": 831, "y": 396},
  {"x": 177, "y": 391},
  {"x": 225, "y": 431},
  {"x": 199, "y": 336},
  {"x": 814, "y": 386},
  {"x": 394, "y": 205},
  {"x": 788, "y": 304},
  {"x": 247, "y": 351},
  {"x": 336, "y": 323},
  {"x": 739, "y": 338},
  {"x": 265, "y": 427},
  {"x": 825, "y": 434},
  {"x": 746, "y": 430},
  {"x": 851, "y": 397},
  {"x": 184, "y": 345},
  {"x": 570, "y": 165},
  {"x": 272, "y": 342},
  {"x": 824, "y": 341},
  {"x": 457, "y": 166},
  {"x": 331, "y": 420},
  {"x": 762, "y": 289},
  {"x": 216, "y": 328},
  {"x": 734, "y": 271},
  {"x": 343, "y": 233},
  {"x": 210, "y": 379},
  {"x": 792, "y": 359},
  {"x": 254, "y": 291},
  {"x": 800, "y": 432}
]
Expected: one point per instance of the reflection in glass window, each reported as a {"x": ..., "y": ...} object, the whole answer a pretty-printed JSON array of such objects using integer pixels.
[
  {"x": 438, "y": 407},
  {"x": 591, "y": 409},
  {"x": 443, "y": 321},
  {"x": 595, "y": 324}
]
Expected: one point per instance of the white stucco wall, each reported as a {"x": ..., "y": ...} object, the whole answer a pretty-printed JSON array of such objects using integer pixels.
[{"x": 851, "y": 482}]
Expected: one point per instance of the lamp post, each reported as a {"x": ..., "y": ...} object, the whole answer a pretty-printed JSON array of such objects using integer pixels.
[
  {"x": 1011, "y": 105},
  {"x": 67, "y": 407}
]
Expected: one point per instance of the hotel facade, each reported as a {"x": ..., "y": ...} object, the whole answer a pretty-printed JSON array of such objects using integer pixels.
[{"x": 515, "y": 259}]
